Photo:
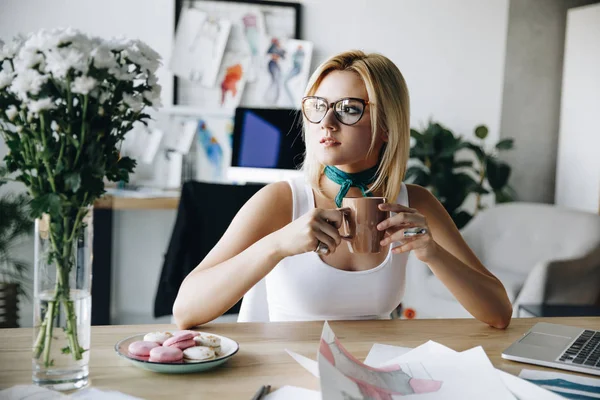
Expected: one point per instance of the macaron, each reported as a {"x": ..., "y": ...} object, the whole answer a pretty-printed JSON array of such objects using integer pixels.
[
  {"x": 181, "y": 341},
  {"x": 198, "y": 353},
  {"x": 178, "y": 333},
  {"x": 166, "y": 354},
  {"x": 208, "y": 340},
  {"x": 158, "y": 337},
  {"x": 142, "y": 348}
]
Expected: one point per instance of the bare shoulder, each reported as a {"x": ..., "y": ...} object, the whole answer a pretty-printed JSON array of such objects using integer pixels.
[
  {"x": 274, "y": 202},
  {"x": 427, "y": 204},
  {"x": 421, "y": 199}
]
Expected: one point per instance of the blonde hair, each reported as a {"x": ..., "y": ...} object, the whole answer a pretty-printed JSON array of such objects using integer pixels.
[{"x": 390, "y": 113}]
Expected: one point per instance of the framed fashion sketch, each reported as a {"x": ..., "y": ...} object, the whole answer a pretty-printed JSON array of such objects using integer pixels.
[{"x": 219, "y": 45}]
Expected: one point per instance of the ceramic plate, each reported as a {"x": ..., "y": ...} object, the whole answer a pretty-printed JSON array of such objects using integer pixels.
[{"x": 228, "y": 349}]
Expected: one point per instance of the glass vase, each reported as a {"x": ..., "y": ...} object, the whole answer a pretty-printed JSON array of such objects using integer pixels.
[{"x": 62, "y": 299}]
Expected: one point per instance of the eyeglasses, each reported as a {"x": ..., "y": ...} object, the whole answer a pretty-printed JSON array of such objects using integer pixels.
[{"x": 348, "y": 110}]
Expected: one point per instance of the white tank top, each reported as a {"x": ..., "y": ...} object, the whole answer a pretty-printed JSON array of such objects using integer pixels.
[{"x": 303, "y": 287}]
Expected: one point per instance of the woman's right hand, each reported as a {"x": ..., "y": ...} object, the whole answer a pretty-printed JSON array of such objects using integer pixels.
[{"x": 304, "y": 234}]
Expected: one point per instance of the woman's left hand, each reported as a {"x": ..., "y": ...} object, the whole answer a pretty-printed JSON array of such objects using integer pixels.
[{"x": 407, "y": 219}]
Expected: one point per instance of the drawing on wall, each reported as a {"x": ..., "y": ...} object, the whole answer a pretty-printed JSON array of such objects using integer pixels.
[
  {"x": 249, "y": 25},
  {"x": 199, "y": 46},
  {"x": 227, "y": 92},
  {"x": 283, "y": 75}
]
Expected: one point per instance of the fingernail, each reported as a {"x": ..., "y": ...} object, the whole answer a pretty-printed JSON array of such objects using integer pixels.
[{"x": 383, "y": 242}]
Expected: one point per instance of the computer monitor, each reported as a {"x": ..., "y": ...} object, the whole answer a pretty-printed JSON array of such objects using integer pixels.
[{"x": 267, "y": 145}]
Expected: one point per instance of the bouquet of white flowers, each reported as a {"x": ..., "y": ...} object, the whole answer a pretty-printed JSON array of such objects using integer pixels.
[{"x": 66, "y": 102}]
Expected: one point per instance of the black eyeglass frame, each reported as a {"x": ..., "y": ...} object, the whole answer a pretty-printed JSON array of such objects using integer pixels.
[{"x": 365, "y": 103}]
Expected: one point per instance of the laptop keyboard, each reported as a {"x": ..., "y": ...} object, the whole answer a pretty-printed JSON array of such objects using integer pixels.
[{"x": 585, "y": 351}]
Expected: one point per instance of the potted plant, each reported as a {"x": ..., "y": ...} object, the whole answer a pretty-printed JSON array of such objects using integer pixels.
[
  {"x": 67, "y": 100},
  {"x": 15, "y": 226},
  {"x": 436, "y": 167}
]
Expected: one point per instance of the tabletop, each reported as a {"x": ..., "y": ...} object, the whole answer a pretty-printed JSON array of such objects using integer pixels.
[{"x": 262, "y": 358}]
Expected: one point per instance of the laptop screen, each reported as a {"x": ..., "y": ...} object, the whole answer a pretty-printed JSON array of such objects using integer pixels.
[{"x": 267, "y": 138}]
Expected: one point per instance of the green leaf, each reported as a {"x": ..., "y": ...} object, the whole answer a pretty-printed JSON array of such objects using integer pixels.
[
  {"x": 479, "y": 152},
  {"x": 47, "y": 203},
  {"x": 72, "y": 181},
  {"x": 481, "y": 131},
  {"x": 463, "y": 164},
  {"x": 65, "y": 350},
  {"x": 503, "y": 196},
  {"x": 461, "y": 218},
  {"x": 498, "y": 173},
  {"x": 505, "y": 144},
  {"x": 418, "y": 176}
]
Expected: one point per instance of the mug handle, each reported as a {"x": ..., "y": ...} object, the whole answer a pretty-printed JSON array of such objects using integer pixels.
[{"x": 346, "y": 224}]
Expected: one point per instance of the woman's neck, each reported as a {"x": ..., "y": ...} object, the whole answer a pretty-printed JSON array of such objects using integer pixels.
[{"x": 330, "y": 189}]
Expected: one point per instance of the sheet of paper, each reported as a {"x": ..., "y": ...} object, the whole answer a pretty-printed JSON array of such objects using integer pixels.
[
  {"x": 442, "y": 374},
  {"x": 525, "y": 390},
  {"x": 199, "y": 46},
  {"x": 520, "y": 388},
  {"x": 564, "y": 384},
  {"x": 308, "y": 364},
  {"x": 32, "y": 392},
  {"x": 380, "y": 353},
  {"x": 281, "y": 74},
  {"x": 293, "y": 393}
]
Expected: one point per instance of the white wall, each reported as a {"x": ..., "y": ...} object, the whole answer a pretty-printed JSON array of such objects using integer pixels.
[
  {"x": 450, "y": 52},
  {"x": 578, "y": 167}
]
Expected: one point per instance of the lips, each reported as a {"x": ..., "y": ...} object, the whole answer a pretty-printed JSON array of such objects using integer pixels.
[{"x": 328, "y": 141}]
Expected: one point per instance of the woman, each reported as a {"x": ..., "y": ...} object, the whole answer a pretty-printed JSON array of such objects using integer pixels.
[{"x": 356, "y": 128}]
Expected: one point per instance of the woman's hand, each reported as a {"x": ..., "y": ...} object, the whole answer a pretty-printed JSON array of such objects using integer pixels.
[
  {"x": 304, "y": 234},
  {"x": 401, "y": 228}
]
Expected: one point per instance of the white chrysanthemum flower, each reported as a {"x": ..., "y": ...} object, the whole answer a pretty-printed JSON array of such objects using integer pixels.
[
  {"x": 60, "y": 61},
  {"x": 413, "y": 142},
  {"x": 122, "y": 73},
  {"x": 104, "y": 58},
  {"x": 83, "y": 84},
  {"x": 148, "y": 51},
  {"x": 27, "y": 81},
  {"x": 134, "y": 102},
  {"x": 119, "y": 43},
  {"x": 6, "y": 78},
  {"x": 54, "y": 126},
  {"x": 27, "y": 59},
  {"x": 105, "y": 95},
  {"x": 10, "y": 49},
  {"x": 36, "y": 106},
  {"x": 12, "y": 112},
  {"x": 19, "y": 129},
  {"x": 153, "y": 96}
]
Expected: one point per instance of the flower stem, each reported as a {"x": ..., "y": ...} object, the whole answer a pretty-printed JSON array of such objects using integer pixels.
[{"x": 83, "y": 121}]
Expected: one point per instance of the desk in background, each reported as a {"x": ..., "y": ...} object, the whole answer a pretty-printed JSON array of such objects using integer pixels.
[
  {"x": 262, "y": 358},
  {"x": 103, "y": 237}
]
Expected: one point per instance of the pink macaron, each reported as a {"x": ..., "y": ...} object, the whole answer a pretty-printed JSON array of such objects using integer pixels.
[
  {"x": 142, "y": 348},
  {"x": 178, "y": 333},
  {"x": 183, "y": 337},
  {"x": 166, "y": 354}
]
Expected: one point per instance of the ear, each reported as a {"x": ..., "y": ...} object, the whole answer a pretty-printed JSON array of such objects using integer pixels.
[{"x": 385, "y": 136}]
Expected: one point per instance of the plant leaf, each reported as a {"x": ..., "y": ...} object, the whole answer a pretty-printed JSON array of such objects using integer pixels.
[
  {"x": 461, "y": 218},
  {"x": 72, "y": 181},
  {"x": 481, "y": 131},
  {"x": 498, "y": 173},
  {"x": 505, "y": 144}
]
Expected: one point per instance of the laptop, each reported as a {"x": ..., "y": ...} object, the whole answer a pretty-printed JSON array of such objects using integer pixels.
[{"x": 558, "y": 346}]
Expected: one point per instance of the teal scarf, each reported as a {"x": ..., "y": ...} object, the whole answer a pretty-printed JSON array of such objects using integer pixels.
[{"x": 346, "y": 180}]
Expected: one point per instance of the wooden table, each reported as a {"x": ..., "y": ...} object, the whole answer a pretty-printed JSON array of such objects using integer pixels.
[
  {"x": 262, "y": 359},
  {"x": 103, "y": 237}
]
